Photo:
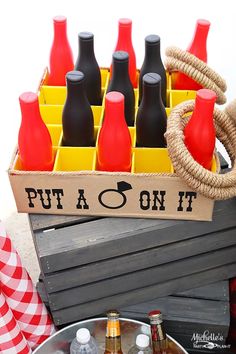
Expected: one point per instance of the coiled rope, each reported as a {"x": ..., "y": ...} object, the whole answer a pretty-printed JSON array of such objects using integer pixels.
[
  {"x": 180, "y": 60},
  {"x": 211, "y": 185}
]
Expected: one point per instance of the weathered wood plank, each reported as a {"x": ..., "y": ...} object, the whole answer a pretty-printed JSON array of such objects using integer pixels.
[
  {"x": 181, "y": 308},
  {"x": 93, "y": 308},
  {"x": 141, "y": 279},
  {"x": 122, "y": 300},
  {"x": 110, "y": 237},
  {"x": 218, "y": 291},
  {"x": 44, "y": 222},
  {"x": 136, "y": 261},
  {"x": 215, "y": 291}
]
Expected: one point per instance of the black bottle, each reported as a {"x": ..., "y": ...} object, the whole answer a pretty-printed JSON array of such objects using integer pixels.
[
  {"x": 153, "y": 64},
  {"x": 87, "y": 63},
  {"x": 151, "y": 117},
  {"x": 120, "y": 82},
  {"x": 77, "y": 115}
]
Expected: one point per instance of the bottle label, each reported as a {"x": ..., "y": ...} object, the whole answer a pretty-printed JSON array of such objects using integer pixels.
[{"x": 113, "y": 329}]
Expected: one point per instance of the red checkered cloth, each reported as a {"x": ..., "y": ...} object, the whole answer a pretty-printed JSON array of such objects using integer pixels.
[
  {"x": 12, "y": 340},
  {"x": 21, "y": 295}
]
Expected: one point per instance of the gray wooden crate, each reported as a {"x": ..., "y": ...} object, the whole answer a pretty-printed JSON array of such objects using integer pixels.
[
  {"x": 95, "y": 307},
  {"x": 99, "y": 239},
  {"x": 167, "y": 273}
]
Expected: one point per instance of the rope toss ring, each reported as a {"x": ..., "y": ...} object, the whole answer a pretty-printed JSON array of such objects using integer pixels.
[
  {"x": 187, "y": 63},
  {"x": 210, "y": 184}
]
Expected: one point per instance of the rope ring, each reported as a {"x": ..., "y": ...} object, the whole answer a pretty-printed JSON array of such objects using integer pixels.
[
  {"x": 180, "y": 60},
  {"x": 212, "y": 185}
]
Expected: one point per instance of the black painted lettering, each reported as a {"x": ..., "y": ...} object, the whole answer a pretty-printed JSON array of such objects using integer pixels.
[
  {"x": 157, "y": 200},
  {"x": 190, "y": 196},
  {"x": 144, "y": 200},
  {"x": 181, "y": 196},
  {"x": 31, "y": 194},
  {"x": 58, "y": 193},
  {"x": 81, "y": 199},
  {"x": 48, "y": 199}
]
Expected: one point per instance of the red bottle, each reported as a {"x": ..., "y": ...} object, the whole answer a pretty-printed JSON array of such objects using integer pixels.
[
  {"x": 34, "y": 141},
  {"x": 198, "y": 48},
  {"x": 200, "y": 131},
  {"x": 124, "y": 43},
  {"x": 114, "y": 142},
  {"x": 61, "y": 57}
]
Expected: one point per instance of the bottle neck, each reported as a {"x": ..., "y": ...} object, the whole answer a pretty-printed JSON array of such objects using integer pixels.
[
  {"x": 86, "y": 49},
  {"x": 152, "y": 52},
  {"x": 158, "y": 332},
  {"x": 113, "y": 339},
  {"x": 124, "y": 35},
  {"x": 114, "y": 116},
  {"x": 120, "y": 70},
  {"x": 151, "y": 95},
  {"x": 76, "y": 91},
  {"x": 113, "y": 328},
  {"x": 30, "y": 112},
  {"x": 198, "y": 45},
  {"x": 203, "y": 112},
  {"x": 60, "y": 31}
]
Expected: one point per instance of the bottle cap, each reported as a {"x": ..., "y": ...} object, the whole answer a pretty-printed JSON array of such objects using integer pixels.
[
  {"x": 86, "y": 36},
  {"x": 203, "y": 23},
  {"x": 142, "y": 340},
  {"x": 83, "y": 335},
  {"x": 120, "y": 55},
  {"x": 206, "y": 95},
  {"x": 152, "y": 39},
  {"x": 113, "y": 313},
  {"x": 125, "y": 22},
  {"x": 59, "y": 19},
  {"x": 28, "y": 98},
  {"x": 115, "y": 97},
  {"x": 151, "y": 79},
  {"x": 155, "y": 317},
  {"x": 74, "y": 76}
]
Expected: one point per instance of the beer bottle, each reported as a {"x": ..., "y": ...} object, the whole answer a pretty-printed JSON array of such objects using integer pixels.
[
  {"x": 151, "y": 117},
  {"x": 199, "y": 132},
  {"x": 198, "y": 48},
  {"x": 113, "y": 338},
  {"x": 120, "y": 82},
  {"x": 153, "y": 64},
  {"x": 159, "y": 338},
  {"x": 87, "y": 63}
]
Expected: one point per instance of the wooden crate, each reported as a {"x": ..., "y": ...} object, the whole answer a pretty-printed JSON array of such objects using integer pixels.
[{"x": 91, "y": 264}]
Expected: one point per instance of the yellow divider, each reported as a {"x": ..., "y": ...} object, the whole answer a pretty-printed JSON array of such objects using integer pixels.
[
  {"x": 178, "y": 96},
  {"x": 75, "y": 159},
  {"x": 55, "y": 133},
  {"x": 56, "y": 95},
  {"x": 52, "y": 114},
  {"x": 151, "y": 160}
]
